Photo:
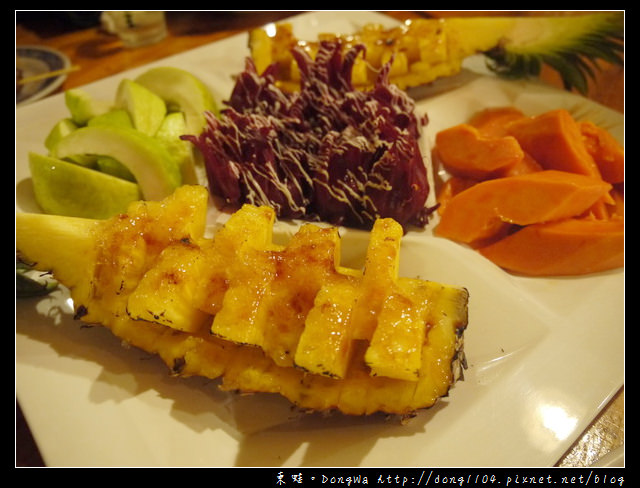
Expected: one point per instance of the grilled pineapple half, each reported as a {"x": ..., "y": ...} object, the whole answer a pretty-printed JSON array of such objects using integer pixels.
[
  {"x": 423, "y": 50},
  {"x": 264, "y": 317}
]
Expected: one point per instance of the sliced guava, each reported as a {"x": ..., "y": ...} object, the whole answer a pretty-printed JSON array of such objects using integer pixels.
[
  {"x": 62, "y": 128},
  {"x": 182, "y": 91},
  {"x": 151, "y": 164},
  {"x": 114, "y": 167},
  {"x": 146, "y": 109},
  {"x": 118, "y": 117},
  {"x": 169, "y": 133},
  {"x": 64, "y": 188},
  {"x": 82, "y": 106}
]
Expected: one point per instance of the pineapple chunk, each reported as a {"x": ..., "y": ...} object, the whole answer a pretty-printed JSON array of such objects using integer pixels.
[
  {"x": 263, "y": 317},
  {"x": 248, "y": 270},
  {"x": 379, "y": 277},
  {"x": 241, "y": 318},
  {"x": 304, "y": 265},
  {"x": 129, "y": 245},
  {"x": 399, "y": 63},
  {"x": 326, "y": 342},
  {"x": 396, "y": 345},
  {"x": 166, "y": 293},
  {"x": 273, "y": 47}
]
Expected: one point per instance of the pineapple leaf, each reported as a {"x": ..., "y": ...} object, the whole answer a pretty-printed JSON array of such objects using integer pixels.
[
  {"x": 574, "y": 54},
  {"x": 30, "y": 284}
]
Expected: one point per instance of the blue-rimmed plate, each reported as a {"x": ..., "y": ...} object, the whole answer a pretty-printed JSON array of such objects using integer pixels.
[{"x": 35, "y": 60}]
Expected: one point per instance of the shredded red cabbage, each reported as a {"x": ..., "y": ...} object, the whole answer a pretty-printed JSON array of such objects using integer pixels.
[{"x": 326, "y": 152}]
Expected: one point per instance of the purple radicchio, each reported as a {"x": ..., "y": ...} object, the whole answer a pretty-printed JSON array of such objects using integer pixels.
[{"x": 327, "y": 152}]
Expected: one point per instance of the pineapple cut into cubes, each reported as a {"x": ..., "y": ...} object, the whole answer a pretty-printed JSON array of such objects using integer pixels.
[{"x": 264, "y": 317}]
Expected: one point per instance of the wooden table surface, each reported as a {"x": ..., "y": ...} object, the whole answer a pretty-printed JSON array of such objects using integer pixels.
[{"x": 99, "y": 54}]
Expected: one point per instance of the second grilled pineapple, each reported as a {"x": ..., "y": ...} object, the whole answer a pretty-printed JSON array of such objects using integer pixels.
[{"x": 425, "y": 49}]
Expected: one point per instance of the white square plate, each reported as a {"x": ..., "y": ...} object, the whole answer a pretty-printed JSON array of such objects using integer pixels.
[{"x": 545, "y": 355}]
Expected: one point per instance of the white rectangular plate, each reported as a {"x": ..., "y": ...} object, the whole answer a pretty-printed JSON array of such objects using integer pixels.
[{"x": 545, "y": 355}]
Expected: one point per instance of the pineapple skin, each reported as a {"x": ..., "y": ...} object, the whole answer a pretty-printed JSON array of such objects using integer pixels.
[{"x": 158, "y": 284}]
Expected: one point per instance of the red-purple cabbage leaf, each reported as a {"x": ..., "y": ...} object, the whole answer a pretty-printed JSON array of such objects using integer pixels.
[{"x": 327, "y": 152}]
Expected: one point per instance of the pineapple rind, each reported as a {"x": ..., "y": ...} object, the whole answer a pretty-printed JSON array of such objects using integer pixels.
[{"x": 133, "y": 251}]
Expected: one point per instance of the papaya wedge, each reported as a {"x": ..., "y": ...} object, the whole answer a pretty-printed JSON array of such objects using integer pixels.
[
  {"x": 490, "y": 207},
  {"x": 554, "y": 140},
  {"x": 566, "y": 247},
  {"x": 606, "y": 151},
  {"x": 465, "y": 151},
  {"x": 493, "y": 121}
]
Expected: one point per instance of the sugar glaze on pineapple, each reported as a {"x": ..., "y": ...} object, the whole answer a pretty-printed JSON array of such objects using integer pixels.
[{"x": 262, "y": 317}]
